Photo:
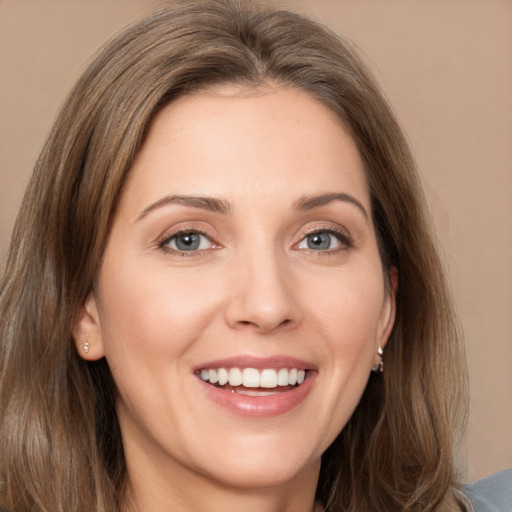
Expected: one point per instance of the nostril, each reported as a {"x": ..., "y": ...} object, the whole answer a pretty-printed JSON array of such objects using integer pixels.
[
  {"x": 244, "y": 324},
  {"x": 285, "y": 323}
]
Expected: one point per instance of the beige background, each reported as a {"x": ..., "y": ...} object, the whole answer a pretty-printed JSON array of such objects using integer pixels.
[{"x": 446, "y": 67}]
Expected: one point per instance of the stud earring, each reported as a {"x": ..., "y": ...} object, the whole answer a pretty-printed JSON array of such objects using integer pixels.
[
  {"x": 86, "y": 346},
  {"x": 379, "y": 368}
]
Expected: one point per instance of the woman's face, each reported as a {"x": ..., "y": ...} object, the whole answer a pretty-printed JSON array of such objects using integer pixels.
[{"x": 243, "y": 250}]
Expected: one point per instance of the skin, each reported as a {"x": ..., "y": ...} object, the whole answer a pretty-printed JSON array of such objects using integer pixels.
[{"x": 256, "y": 286}]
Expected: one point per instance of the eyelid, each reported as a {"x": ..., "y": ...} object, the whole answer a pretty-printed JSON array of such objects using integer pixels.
[
  {"x": 163, "y": 241},
  {"x": 340, "y": 233}
]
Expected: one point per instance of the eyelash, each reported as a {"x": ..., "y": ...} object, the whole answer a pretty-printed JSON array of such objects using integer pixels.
[
  {"x": 340, "y": 235},
  {"x": 166, "y": 239}
]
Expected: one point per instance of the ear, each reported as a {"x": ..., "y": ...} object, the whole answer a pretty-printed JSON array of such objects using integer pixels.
[
  {"x": 389, "y": 309},
  {"x": 87, "y": 331}
]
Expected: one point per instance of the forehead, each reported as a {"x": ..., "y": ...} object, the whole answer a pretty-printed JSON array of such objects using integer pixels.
[{"x": 250, "y": 139}]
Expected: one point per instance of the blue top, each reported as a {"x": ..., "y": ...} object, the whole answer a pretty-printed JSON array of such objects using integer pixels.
[{"x": 492, "y": 494}]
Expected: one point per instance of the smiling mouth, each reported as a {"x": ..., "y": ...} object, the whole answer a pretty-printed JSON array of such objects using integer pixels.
[{"x": 254, "y": 382}]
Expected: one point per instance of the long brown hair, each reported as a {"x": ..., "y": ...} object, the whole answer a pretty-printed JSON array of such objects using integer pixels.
[{"x": 60, "y": 443}]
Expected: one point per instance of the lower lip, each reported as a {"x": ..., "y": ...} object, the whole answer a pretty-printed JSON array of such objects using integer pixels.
[{"x": 260, "y": 406}]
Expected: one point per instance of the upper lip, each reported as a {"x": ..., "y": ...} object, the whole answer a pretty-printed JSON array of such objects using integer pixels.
[{"x": 260, "y": 363}]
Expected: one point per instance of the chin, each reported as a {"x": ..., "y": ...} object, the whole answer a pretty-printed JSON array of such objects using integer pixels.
[
  {"x": 249, "y": 474},
  {"x": 261, "y": 463}
]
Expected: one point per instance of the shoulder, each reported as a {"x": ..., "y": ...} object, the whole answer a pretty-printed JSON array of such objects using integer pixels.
[{"x": 492, "y": 494}]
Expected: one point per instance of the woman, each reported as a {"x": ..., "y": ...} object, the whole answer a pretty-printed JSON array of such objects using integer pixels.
[{"x": 223, "y": 235}]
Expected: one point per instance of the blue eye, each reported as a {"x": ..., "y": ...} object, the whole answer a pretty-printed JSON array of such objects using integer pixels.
[
  {"x": 323, "y": 241},
  {"x": 187, "y": 242}
]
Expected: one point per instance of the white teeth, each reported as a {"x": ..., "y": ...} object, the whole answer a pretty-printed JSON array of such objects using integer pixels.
[
  {"x": 235, "y": 377},
  {"x": 253, "y": 378},
  {"x": 282, "y": 377},
  {"x": 268, "y": 379},
  {"x": 223, "y": 376},
  {"x": 212, "y": 376}
]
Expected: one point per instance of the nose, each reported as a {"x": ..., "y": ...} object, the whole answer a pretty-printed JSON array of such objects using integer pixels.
[{"x": 262, "y": 296}]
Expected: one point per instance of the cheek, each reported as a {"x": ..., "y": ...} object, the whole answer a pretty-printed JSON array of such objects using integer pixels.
[
  {"x": 146, "y": 315},
  {"x": 149, "y": 322},
  {"x": 348, "y": 320},
  {"x": 349, "y": 307}
]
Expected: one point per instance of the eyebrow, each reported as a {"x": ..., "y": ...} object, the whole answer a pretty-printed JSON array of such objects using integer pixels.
[
  {"x": 223, "y": 206},
  {"x": 211, "y": 204},
  {"x": 305, "y": 203}
]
